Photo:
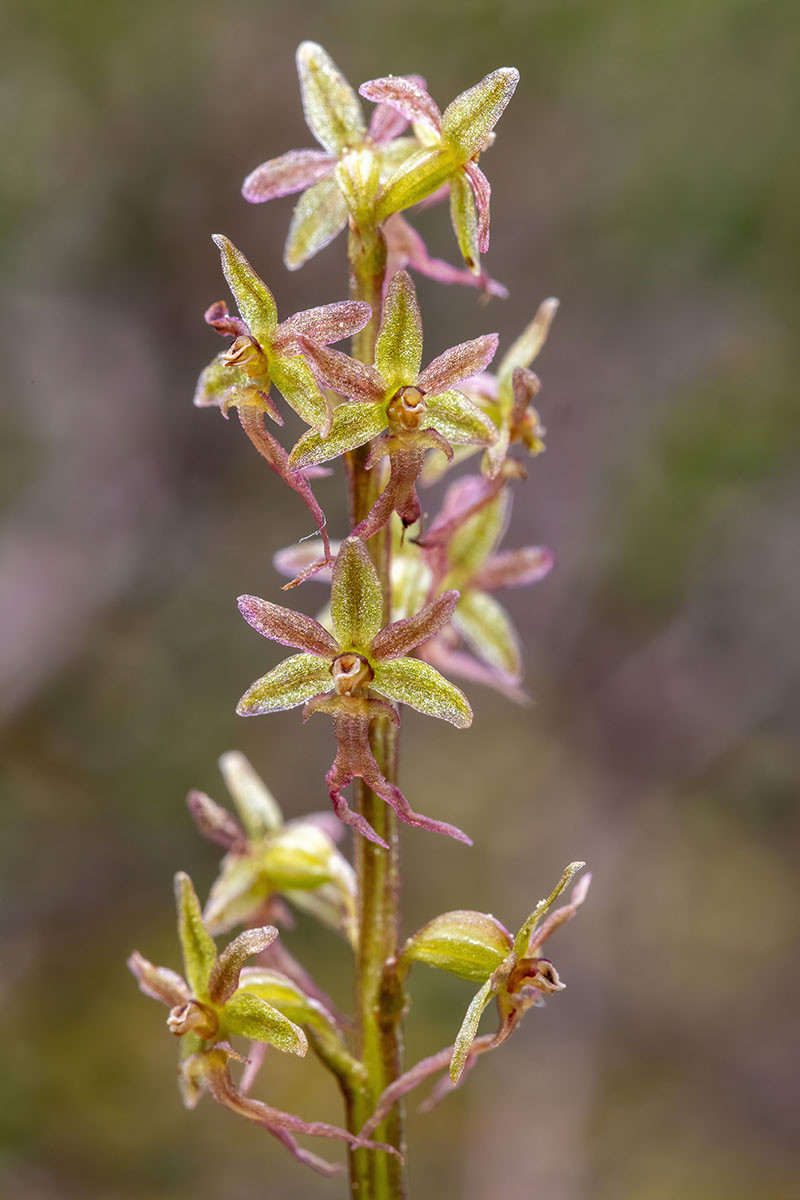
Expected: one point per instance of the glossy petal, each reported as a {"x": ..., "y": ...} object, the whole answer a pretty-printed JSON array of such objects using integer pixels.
[
  {"x": 482, "y": 191},
  {"x": 249, "y": 1016},
  {"x": 419, "y": 176},
  {"x": 253, "y": 298},
  {"x": 527, "y": 346},
  {"x": 471, "y": 945},
  {"x": 523, "y": 938},
  {"x": 344, "y": 374},
  {"x": 457, "y": 363},
  {"x": 158, "y": 982},
  {"x": 400, "y": 637},
  {"x": 356, "y": 600},
  {"x": 464, "y": 218},
  {"x": 416, "y": 683},
  {"x": 514, "y": 568},
  {"x": 319, "y": 216},
  {"x": 458, "y": 420},
  {"x": 468, "y": 1030},
  {"x": 352, "y": 425},
  {"x": 328, "y": 323},
  {"x": 331, "y": 107},
  {"x": 468, "y": 121},
  {"x": 486, "y": 627},
  {"x": 398, "y": 350},
  {"x": 214, "y": 821},
  {"x": 224, "y": 978},
  {"x": 299, "y": 388},
  {"x": 258, "y": 809},
  {"x": 287, "y": 627},
  {"x": 291, "y": 172},
  {"x": 291, "y": 683},
  {"x": 199, "y": 951},
  {"x": 407, "y": 96}
]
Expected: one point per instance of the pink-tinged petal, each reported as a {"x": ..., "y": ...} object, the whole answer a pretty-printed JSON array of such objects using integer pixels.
[
  {"x": 291, "y": 172},
  {"x": 214, "y": 821},
  {"x": 294, "y": 560},
  {"x": 457, "y": 363},
  {"x": 525, "y": 386},
  {"x": 331, "y": 107},
  {"x": 160, "y": 983},
  {"x": 397, "y": 639},
  {"x": 454, "y": 662},
  {"x": 225, "y": 974},
  {"x": 343, "y": 374},
  {"x": 219, "y": 318},
  {"x": 482, "y": 191},
  {"x": 406, "y": 95},
  {"x": 468, "y": 121},
  {"x": 467, "y": 496},
  {"x": 287, "y": 627},
  {"x": 306, "y": 1157},
  {"x": 405, "y": 248},
  {"x": 514, "y": 568},
  {"x": 328, "y": 323},
  {"x": 399, "y": 495}
]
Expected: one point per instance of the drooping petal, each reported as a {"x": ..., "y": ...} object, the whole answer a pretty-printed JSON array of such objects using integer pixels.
[
  {"x": 352, "y": 425},
  {"x": 291, "y": 172},
  {"x": 224, "y": 978},
  {"x": 467, "y": 496},
  {"x": 486, "y": 627},
  {"x": 474, "y": 539},
  {"x": 405, "y": 248},
  {"x": 419, "y": 176},
  {"x": 468, "y": 1030},
  {"x": 471, "y": 945},
  {"x": 328, "y": 323},
  {"x": 398, "y": 350},
  {"x": 514, "y": 568},
  {"x": 214, "y": 821},
  {"x": 397, "y": 639},
  {"x": 287, "y": 627},
  {"x": 218, "y": 317},
  {"x": 296, "y": 382},
  {"x": 458, "y": 420},
  {"x": 258, "y": 809},
  {"x": 464, "y": 219},
  {"x": 456, "y": 662},
  {"x": 344, "y": 374},
  {"x": 457, "y": 363},
  {"x": 319, "y": 216},
  {"x": 331, "y": 107},
  {"x": 416, "y": 683},
  {"x": 199, "y": 951},
  {"x": 253, "y": 298},
  {"x": 527, "y": 346},
  {"x": 356, "y": 600},
  {"x": 407, "y": 96},
  {"x": 291, "y": 683},
  {"x": 249, "y": 1016},
  {"x": 158, "y": 982},
  {"x": 525, "y": 385},
  {"x": 385, "y": 124},
  {"x": 482, "y": 191},
  {"x": 523, "y": 938},
  {"x": 468, "y": 121}
]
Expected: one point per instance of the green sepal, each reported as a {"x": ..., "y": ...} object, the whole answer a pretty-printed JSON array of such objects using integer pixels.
[
  {"x": 294, "y": 379},
  {"x": 247, "y": 1015},
  {"x": 253, "y": 298},
  {"x": 199, "y": 951},
  {"x": 464, "y": 217},
  {"x": 418, "y": 177},
  {"x": 332, "y": 109},
  {"x": 416, "y": 683},
  {"x": 292, "y": 682},
  {"x": 471, "y": 945},
  {"x": 468, "y": 1030},
  {"x": 526, "y": 348},
  {"x": 458, "y": 420},
  {"x": 356, "y": 599},
  {"x": 352, "y": 425},
  {"x": 486, "y": 627},
  {"x": 237, "y": 894},
  {"x": 282, "y": 993},
  {"x": 258, "y": 809},
  {"x": 524, "y": 936},
  {"x": 319, "y": 216},
  {"x": 468, "y": 121},
  {"x": 398, "y": 350}
]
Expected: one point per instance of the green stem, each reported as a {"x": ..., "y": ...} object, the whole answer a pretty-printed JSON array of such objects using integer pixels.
[{"x": 375, "y": 1176}]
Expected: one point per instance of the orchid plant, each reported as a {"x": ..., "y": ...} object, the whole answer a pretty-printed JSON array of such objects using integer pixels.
[{"x": 412, "y": 601}]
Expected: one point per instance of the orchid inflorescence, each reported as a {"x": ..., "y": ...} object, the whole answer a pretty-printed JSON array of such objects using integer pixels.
[{"x": 412, "y": 601}]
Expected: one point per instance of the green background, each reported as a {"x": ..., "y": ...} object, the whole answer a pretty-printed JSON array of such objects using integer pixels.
[{"x": 646, "y": 173}]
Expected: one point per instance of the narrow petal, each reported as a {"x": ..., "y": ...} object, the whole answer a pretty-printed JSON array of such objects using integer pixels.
[
  {"x": 225, "y": 973},
  {"x": 557, "y": 918},
  {"x": 214, "y": 821},
  {"x": 328, "y": 323},
  {"x": 295, "y": 380},
  {"x": 344, "y": 374},
  {"x": 405, "y": 248},
  {"x": 356, "y": 600},
  {"x": 158, "y": 982},
  {"x": 253, "y": 298},
  {"x": 258, "y": 809},
  {"x": 469, "y": 1029},
  {"x": 319, "y": 216},
  {"x": 514, "y": 568},
  {"x": 291, "y": 172},
  {"x": 398, "y": 351},
  {"x": 291, "y": 683},
  {"x": 397, "y": 639},
  {"x": 218, "y": 317},
  {"x": 199, "y": 951},
  {"x": 467, "y": 496},
  {"x": 486, "y": 627},
  {"x": 331, "y": 107},
  {"x": 306, "y": 1157},
  {"x": 416, "y": 683},
  {"x": 468, "y": 121},
  {"x": 287, "y": 627},
  {"x": 525, "y": 935},
  {"x": 418, "y": 177},
  {"x": 456, "y": 662},
  {"x": 464, "y": 219},
  {"x": 474, "y": 539},
  {"x": 525, "y": 386},
  {"x": 407, "y": 96},
  {"x": 457, "y": 363},
  {"x": 482, "y": 191},
  {"x": 529, "y": 343},
  {"x": 459, "y": 420},
  {"x": 352, "y": 425}
]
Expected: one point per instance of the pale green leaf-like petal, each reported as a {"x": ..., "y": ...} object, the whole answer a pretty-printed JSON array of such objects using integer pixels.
[
  {"x": 468, "y": 1030},
  {"x": 258, "y": 809},
  {"x": 398, "y": 351},
  {"x": 298, "y": 856},
  {"x": 471, "y": 945},
  {"x": 352, "y": 425},
  {"x": 292, "y": 682},
  {"x": 416, "y": 683},
  {"x": 486, "y": 627},
  {"x": 253, "y": 298},
  {"x": 281, "y": 992},
  {"x": 216, "y": 379},
  {"x": 295, "y": 380},
  {"x": 464, "y": 217},
  {"x": 459, "y": 420},
  {"x": 527, "y": 346},
  {"x": 418, "y": 177},
  {"x": 524, "y": 935},
  {"x": 199, "y": 951},
  {"x": 332, "y": 109},
  {"x": 237, "y": 894},
  {"x": 319, "y": 216},
  {"x": 356, "y": 600},
  {"x": 468, "y": 121},
  {"x": 249, "y": 1016}
]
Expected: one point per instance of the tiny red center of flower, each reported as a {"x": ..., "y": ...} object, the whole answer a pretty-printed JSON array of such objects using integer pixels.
[
  {"x": 407, "y": 408},
  {"x": 350, "y": 672}
]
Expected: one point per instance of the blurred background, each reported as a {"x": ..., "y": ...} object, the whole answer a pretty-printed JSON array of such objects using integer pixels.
[{"x": 644, "y": 174}]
